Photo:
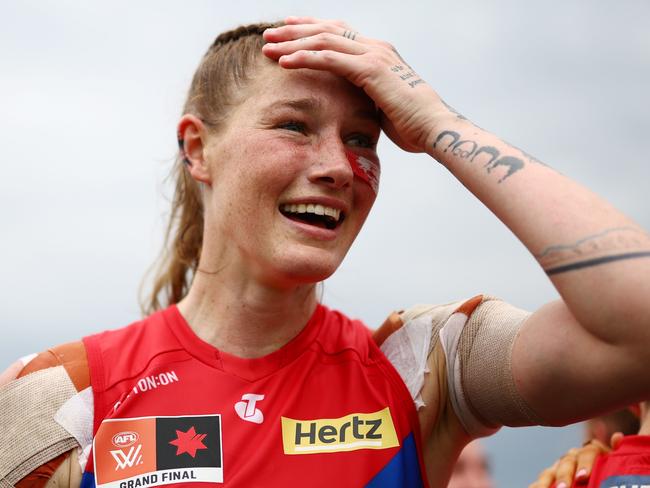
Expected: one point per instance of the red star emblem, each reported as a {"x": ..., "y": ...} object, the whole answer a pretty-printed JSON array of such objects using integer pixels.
[{"x": 188, "y": 442}]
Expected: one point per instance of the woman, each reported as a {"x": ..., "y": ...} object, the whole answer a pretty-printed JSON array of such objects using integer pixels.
[{"x": 245, "y": 379}]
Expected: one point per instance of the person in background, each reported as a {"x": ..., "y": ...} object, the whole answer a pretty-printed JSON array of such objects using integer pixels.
[
  {"x": 603, "y": 427},
  {"x": 626, "y": 464},
  {"x": 472, "y": 470}
]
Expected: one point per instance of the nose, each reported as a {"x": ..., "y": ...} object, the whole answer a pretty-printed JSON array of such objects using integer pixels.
[{"x": 331, "y": 166}]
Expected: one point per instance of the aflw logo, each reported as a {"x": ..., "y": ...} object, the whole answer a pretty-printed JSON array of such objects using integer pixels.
[
  {"x": 349, "y": 433},
  {"x": 128, "y": 460}
]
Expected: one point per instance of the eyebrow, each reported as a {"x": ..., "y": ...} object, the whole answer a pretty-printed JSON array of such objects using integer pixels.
[
  {"x": 312, "y": 104},
  {"x": 308, "y": 104}
]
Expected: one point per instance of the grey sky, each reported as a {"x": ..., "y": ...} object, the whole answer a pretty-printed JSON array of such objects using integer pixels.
[{"x": 90, "y": 93}]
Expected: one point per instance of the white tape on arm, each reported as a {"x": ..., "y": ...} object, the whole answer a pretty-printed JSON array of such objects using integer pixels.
[
  {"x": 27, "y": 425},
  {"x": 476, "y": 337}
]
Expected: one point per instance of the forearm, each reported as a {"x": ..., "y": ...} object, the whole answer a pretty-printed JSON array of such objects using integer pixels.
[{"x": 597, "y": 258}]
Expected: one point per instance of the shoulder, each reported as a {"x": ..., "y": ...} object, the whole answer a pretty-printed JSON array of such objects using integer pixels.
[
  {"x": 340, "y": 334},
  {"x": 70, "y": 356},
  {"x": 33, "y": 392},
  {"x": 119, "y": 353},
  {"x": 407, "y": 337},
  {"x": 478, "y": 309},
  {"x": 434, "y": 314}
]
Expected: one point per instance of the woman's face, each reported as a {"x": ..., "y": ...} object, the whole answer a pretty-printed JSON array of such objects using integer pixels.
[{"x": 278, "y": 161}]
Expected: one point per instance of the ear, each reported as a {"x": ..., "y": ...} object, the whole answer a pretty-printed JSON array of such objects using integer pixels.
[{"x": 191, "y": 141}]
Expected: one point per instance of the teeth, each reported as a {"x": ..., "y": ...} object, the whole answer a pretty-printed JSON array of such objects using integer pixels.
[{"x": 314, "y": 209}]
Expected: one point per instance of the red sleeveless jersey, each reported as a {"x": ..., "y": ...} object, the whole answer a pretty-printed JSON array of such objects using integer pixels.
[{"x": 327, "y": 409}]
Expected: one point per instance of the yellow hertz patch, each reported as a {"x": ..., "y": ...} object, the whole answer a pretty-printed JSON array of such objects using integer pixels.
[{"x": 349, "y": 433}]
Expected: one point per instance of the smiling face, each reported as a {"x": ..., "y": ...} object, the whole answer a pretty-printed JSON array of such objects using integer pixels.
[{"x": 284, "y": 204}]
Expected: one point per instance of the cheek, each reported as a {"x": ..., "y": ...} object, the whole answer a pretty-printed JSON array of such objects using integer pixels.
[
  {"x": 364, "y": 199},
  {"x": 365, "y": 169},
  {"x": 268, "y": 160}
]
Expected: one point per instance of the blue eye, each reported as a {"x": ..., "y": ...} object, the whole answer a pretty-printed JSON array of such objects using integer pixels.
[
  {"x": 361, "y": 140},
  {"x": 293, "y": 126}
]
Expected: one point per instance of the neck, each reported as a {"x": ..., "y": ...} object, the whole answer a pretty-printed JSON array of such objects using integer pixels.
[{"x": 244, "y": 317}]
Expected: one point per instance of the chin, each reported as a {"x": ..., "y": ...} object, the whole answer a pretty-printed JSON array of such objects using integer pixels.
[{"x": 311, "y": 267}]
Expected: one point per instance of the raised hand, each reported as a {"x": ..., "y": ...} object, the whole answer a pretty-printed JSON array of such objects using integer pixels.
[{"x": 408, "y": 105}]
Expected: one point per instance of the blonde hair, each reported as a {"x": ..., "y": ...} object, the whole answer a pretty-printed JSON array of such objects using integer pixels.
[{"x": 226, "y": 66}]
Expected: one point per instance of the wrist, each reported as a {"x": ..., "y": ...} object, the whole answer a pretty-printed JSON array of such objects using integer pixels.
[{"x": 444, "y": 120}]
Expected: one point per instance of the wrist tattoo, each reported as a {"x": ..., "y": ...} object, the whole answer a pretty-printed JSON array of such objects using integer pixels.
[
  {"x": 470, "y": 150},
  {"x": 405, "y": 72},
  {"x": 489, "y": 156},
  {"x": 609, "y": 245}
]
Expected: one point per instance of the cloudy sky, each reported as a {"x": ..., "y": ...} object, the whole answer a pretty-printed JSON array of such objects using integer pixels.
[{"x": 90, "y": 93}]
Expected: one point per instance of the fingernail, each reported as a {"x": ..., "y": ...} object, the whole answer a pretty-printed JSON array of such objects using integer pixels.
[
  {"x": 561, "y": 485},
  {"x": 581, "y": 473}
]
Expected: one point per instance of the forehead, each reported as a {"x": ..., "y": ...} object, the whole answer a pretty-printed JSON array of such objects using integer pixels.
[{"x": 305, "y": 89}]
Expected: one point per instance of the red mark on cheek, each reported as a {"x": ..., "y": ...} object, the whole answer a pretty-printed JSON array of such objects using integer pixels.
[{"x": 365, "y": 169}]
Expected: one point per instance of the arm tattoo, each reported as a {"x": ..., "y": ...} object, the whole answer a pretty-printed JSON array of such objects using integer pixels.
[
  {"x": 531, "y": 158},
  {"x": 405, "y": 72},
  {"x": 614, "y": 244},
  {"x": 491, "y": 158},
  {"x": 470, "y": 150}
]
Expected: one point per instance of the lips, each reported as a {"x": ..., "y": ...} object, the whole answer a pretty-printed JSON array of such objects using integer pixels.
[{"x": 315, "y": 214}]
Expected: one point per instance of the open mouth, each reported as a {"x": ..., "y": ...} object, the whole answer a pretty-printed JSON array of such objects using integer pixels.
[{"x": 313, "y": 214}]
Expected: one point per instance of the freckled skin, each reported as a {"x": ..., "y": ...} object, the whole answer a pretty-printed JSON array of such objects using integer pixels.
[{"x": 255, "y": 167}]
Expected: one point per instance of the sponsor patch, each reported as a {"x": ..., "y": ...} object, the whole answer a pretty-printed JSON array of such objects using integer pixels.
[
  {"x": 349, "y": 433},
  {"x": 153, "y": 451},
  {"x": 246, "y": 408}
]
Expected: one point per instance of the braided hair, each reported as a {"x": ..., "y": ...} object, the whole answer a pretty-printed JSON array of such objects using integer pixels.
[{"x": 225, "y": 67}]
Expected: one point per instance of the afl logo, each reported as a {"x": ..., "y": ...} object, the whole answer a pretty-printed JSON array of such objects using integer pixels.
[{"x": 125, "y": 439}]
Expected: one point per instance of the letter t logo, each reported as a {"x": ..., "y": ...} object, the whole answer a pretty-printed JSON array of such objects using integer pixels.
[{"x": 246, "y": 408}]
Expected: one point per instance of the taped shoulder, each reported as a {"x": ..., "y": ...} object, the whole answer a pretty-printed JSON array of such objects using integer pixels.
[
  {"x": 406, "y": 339},
  {"x": 396, "y": 320},
  {"x": 72, "y": 356},
  {"x": 64, "y": 371}
]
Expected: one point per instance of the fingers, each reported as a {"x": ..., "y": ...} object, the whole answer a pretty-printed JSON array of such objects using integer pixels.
[
  {"x": 616, "y": 439},
  {"x": 292, "y": 20},
  {"x": 338, "y": 63},
  {"x": 566, "y": 469},
  {"x": 587, "y": 457},
  {"x": 327, "y": 45},
  {"x": 546, "y": 477},
  {"x": 316, "y": 44},
  {"x": 319, "y": 42},
  {"x": 297, "y": 31}
]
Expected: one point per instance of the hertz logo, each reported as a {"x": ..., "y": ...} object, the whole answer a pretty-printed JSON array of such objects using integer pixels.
[{"x": 349, "y": 433}]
